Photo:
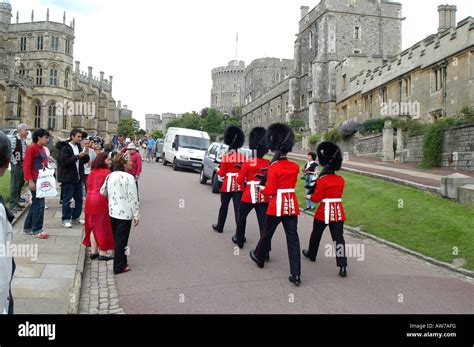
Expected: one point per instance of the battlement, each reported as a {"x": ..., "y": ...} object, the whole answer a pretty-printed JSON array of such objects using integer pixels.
[
  {"x": 426, "y": 53},
  {"x": 268, "y": 61},
  {"x": 224, "y": 70},
  {"x": 90, "y": 79},
  {"x": 42, "y": 25}
]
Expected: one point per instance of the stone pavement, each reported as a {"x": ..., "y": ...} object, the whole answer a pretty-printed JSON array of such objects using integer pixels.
[
  {"x": 48, "y": 276},
  {"x": 99, "y": 293},
  {"x": 396, "y": 172}
]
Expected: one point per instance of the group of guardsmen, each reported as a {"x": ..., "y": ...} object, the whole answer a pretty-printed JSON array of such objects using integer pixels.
[{"x": 269, "y": 188}]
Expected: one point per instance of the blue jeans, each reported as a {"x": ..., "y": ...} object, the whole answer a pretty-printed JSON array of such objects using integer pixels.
[
  {"x": 71, "y": 191},
  {"x": 34, "y": 219},
  {"x": 309, "y": 203}
]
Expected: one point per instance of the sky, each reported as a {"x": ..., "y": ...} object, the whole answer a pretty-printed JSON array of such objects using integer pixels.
[{"x": 161, "y": 52}]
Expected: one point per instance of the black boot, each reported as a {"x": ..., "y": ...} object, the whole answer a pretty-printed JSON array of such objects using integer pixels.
[
  {"x": 214, "y": 226},
  {"x": 235, "y": 240},
  {"x": 267, "y": 258},
  {"x": 306, "y": 255},
  {"x": 254, "y": 257},
  {"x": 295, "y": 279},
  {"x": 343, "y": 271}
]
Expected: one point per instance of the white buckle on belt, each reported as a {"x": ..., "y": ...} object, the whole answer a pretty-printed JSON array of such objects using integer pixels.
[
  {"x": 280, "y": 193},
  {"x": 253, "y": 184},
  {"x": 229, "y": 180},
  {"x": 327, "y": 208}
]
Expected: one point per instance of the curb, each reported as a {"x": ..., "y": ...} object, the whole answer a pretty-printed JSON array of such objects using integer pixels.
[
  {"x": 402, "y": 249},
  {"x": 75, "y": 295}
]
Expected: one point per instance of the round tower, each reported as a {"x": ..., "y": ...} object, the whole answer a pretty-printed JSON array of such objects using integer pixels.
[{"x": 5, "y": 15}]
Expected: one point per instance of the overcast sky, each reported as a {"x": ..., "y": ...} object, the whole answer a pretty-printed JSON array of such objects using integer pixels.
[{"x": 161, "y": 52}]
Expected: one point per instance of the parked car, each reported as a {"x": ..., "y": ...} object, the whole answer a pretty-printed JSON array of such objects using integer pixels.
[
  {"x": 185, "y": 148},
  {"x": 211, "y": 163},
  {"x": 159, "y": 149}
]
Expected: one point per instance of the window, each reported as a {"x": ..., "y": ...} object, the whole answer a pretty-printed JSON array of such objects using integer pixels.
[
  {"x": 55, "y": 43},
  {"x": 344, "y": 82},
  {"x": 22, "y": 70},
  {"x": 438, "y": 79},
  {"x": 52, "y": 116},
  {"x": 39, "y": 76},
  {"x": 19, "y": 109},
  {"x": 37, "y": 115},
  {"x": 53, "y": 76},
  {"x": 357, "y": 33},
  {"x": 68, "y": 47},
  {"x": 39, "y": 43},
  {"x": 65, "y": 127},
  {"x": 383, "y": 94},
  {"x": 277, "y": 77},
  {"x": 310, "y": 39},
  {"x": 407, "y": 86},
  {"x": 23, "y": 44},
  {"x": 66, "y": 79}
]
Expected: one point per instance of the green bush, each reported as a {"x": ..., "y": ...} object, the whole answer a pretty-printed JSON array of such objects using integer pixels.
[
  {"x": 314, "y": 139},
  {"x": 299, "y": 137},
  {"x": 412, "y": 127},
  {"x": 467, "y": 114},
  {"x": 372, "y": 126},
  {"x": 433, "y": 145},
  {"x": 333, "y": 136}
]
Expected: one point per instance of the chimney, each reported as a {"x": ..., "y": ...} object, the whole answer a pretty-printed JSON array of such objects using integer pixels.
[
  {"x": 78, "y": 71},
  {"x": 101, "y": 77},
  {"x": 89, "y": 75},
  {"x": 111, "y": 79},
  {"x": 304, "y": 11},
  {"x": 119, "y": 103},
  {"x": 125, "y": 107},
  {"x": 447, "y": 17}
]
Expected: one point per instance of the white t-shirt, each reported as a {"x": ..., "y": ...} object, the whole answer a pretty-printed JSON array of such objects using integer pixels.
[
  {"x": 6, "y": 264},
  {"x": 75, "y": 148}
]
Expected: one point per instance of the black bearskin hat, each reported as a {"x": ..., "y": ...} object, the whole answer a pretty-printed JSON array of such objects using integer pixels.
[
  {"x": 257, "y": 141},
  {"x": 234, "y": 137},
  {"x": 326, "y": 151},
  {"x": 280, "y": 137}
]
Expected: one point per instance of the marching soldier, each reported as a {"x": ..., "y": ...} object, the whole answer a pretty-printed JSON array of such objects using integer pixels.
[
  {"x": 328, "y": 190},
  {"x": 229, "y": 169},
  {"x": 280, "y": 185},
  {"x": 252, "y": 198}
]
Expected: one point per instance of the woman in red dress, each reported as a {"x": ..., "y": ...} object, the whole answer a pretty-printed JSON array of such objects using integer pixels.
[{"x": 98, "y": 228}]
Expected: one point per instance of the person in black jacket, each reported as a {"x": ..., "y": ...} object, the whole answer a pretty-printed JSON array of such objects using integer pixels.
[{"x": 71, "y": 162}]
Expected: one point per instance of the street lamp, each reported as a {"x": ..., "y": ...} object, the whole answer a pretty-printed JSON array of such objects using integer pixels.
[{"x": 226, "y": 116}]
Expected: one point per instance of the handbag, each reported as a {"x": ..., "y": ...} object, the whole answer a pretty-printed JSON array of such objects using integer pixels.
[{"x": 46, "y": 184}]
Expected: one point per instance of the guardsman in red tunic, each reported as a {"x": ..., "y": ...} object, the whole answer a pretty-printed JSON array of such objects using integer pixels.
[
  {"x": 229, "y": 169},
  {"x": 280, "y": 186},
  {"x": 328, "y": 191},
  {"x": 252, "y": 198}
]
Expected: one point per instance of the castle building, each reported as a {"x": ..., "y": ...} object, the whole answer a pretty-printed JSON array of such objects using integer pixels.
[
  {"x": 152, "y": 122},
  {"x": 123, "y": 112},
  {"x": 434, "y": 78},
  {"x": 227, "y": 82},
  {"x": 42, "y": 86}
]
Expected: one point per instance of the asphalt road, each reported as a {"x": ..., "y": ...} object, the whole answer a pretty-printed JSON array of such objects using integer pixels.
[{"x": 179, "y": 265}]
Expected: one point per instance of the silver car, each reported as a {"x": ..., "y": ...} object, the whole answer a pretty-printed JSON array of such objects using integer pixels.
[{"x": 211, "y": 163}]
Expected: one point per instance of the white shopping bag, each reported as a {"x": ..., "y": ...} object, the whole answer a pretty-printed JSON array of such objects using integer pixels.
[{"x": 46, "y": 184}]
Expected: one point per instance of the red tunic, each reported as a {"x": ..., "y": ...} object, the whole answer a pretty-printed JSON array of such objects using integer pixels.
[
  {"x": 251, "y": 168},
  {"x": 329, "y": 187},
  {"x": 97, "y": 212},
  {"x": 228, "y": 170},
  {"x": 281, "y": 183}
]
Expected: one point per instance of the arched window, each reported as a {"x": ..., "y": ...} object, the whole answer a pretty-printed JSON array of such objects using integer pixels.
[
  {"x": 53, "y": 76},
  {"x": 39, "y": 75},
  {"x": 52, "y": 116},
  {"x": 22, "y": 70},
  {"x": 37, "y": 115},
  {"x": 310, "y": 39},
  {"x": 277, "y": 77},
  {"x": 66, "y": 78},
  {"x": 19, "y": 109}
]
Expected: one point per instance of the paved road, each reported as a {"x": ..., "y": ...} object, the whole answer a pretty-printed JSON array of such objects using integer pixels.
[{"x": 179, "y": 265}]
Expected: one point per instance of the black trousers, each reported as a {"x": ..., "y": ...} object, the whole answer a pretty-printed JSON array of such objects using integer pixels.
[
  {"x": 290, "y": 225},
  {"x": 10, "y": 304},
  {"x": 337, "y": 234},
  {"x": 225, "y": 201},
  {"x": 121, "y": 230},
  {"x": 245, "y": 209}
]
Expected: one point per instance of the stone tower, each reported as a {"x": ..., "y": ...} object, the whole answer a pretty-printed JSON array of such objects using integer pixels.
[
  {"x": 227, "y": 82},
  {"x": 5, "y": 20},
  {"x": 327, "y": 34}
]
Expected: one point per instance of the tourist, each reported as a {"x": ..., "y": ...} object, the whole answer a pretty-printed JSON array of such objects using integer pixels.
[
  {"x": 121, "y": 190},
  {"x": 18, "y": 146},
  {"x": 35, "y": 159},
  {"x": 7, "y": 264},
  {"x": 149, "y": 149},
  {"x": 98, "y": 230},
  {"x": 71, "y": 175},
  {"x": 310, "y": 175},
  {"x": 136, "y": 162}
]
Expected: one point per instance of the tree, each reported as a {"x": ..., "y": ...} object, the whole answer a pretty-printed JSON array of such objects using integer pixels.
[
  {"x": 128, "y": 127},
  {"x": 187, "y": 121},
  {"x": 157, "y": 134},
  {"x": 204, "y": 112},
  {"x": 213, "y": 123}
]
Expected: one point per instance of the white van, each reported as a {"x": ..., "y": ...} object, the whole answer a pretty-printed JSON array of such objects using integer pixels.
[{"x": 185, "y": 148}]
